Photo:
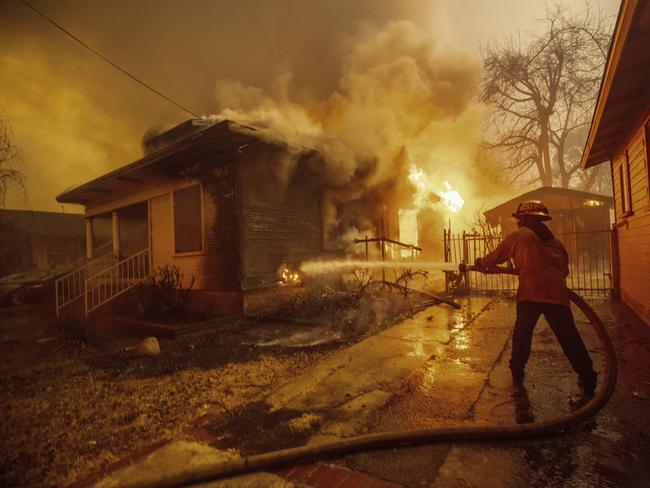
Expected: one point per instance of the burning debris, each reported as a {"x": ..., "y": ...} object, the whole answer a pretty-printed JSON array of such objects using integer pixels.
[{"x": 288, "y": 277}]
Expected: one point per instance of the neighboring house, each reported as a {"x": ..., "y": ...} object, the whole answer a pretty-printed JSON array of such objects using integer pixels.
[
  {"x": 620, "y": 134},
  {"x": 572, "y": 210},
  {"x": 222, "y": 202},
  {"x": 38, "y": 240}
]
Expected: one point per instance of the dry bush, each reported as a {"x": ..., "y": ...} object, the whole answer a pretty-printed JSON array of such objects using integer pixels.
[
  {"x": 361, "y": 278},
  {"x": 402, "y": 281},
  {"x": 163, "y": 294},
  {"x": 71, "y": 331}
]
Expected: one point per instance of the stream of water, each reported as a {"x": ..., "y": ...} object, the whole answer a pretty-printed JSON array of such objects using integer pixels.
[{"x": 316, "y": 267}]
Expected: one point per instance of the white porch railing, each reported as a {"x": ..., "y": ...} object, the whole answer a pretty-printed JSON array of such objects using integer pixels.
[
  {"x": 115, "y": 280},
  {"x": 71, "y": 286}
]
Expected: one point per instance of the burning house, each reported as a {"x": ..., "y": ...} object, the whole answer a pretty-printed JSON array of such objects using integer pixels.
[
  {"x": 230, "y": 206},
  {"x": 221, "y": 202}
]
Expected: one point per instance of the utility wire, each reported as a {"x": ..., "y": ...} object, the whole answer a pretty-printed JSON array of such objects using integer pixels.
[{"x": 133, "y": 77}]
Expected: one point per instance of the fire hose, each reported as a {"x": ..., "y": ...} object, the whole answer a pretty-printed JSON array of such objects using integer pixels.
[{"x": 463, "y": 433}]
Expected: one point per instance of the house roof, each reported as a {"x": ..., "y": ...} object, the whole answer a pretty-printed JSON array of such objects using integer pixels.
[
  {"x": 223, "y": 139},
  {"x": 553, "y": 197},
  {"x": 624, "y": 97},
  {"x": 44, "y": 223}
]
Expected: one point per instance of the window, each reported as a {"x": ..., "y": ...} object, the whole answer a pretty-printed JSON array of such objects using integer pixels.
[
  {"x": 188, "y": 220},
  {"x": 624, "y": 185}
]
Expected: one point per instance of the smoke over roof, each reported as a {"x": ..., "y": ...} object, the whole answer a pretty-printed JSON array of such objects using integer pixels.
[
  {"x": 327, "y": 70},
  {"x": 402, "y": 99}
]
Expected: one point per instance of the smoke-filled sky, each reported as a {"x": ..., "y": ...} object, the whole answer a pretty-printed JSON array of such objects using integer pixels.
[{"x": 372, "y": 72}]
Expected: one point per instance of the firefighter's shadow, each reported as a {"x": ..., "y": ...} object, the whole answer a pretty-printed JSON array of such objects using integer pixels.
[{"x": 523, "y": 408}]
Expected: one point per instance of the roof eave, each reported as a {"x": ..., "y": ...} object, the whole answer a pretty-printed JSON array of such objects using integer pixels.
[
  {"x": 74, "y": 195},
  {"x": 621, "y": 31}
]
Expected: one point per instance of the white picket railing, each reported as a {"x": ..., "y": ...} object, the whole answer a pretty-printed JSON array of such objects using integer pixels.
[
  {"x": 115, "y": 280},
  {"x": 71, "y": 286}
]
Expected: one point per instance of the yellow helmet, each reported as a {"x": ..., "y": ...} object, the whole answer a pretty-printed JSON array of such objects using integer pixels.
[{"x": 534, "y": 208}]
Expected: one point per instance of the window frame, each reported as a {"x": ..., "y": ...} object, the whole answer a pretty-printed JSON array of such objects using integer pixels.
[
  {"x": 624, "y": 185},
  {"x": 202, "y": 220}
]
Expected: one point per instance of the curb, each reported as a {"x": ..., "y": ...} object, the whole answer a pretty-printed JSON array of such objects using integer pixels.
[
  {"x": 321, "y": 475},
  {"x": 120, "y": 463}
]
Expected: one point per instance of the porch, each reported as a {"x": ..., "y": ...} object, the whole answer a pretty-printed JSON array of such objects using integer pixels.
[{"x": 111, "y": 266}]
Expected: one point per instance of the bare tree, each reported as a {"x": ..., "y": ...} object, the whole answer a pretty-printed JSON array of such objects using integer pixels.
[
  {"x": 542, "y": 92},
  {"x": 9, "y": 156},
  {"x": 9, "y": 177}
]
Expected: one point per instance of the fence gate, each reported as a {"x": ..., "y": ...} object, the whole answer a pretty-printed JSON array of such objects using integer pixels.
[{"x": 590, "y": 267}]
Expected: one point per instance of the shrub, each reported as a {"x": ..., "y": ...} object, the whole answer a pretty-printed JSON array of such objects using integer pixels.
[
  {"x": 71, "y": 330},
  {"x": 163, "y": 294}
]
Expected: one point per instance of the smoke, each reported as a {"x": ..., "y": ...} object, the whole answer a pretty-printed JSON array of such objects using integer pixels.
[
  {"x": 366, "y": 95},
  {"x": 148, "y": 142},
  {"x": 68, "y": 134},
  {"x": 403, "y": 98}
]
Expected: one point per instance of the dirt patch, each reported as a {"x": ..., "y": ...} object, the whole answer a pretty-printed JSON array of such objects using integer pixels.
[
  {"x": 73, "y": 413},
  {"x": 253, "y": 429}
]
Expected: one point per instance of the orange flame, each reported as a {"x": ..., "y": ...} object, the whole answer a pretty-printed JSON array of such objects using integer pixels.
[
  {"x": 288, "y": 277},
  {"x": 427, "y": 195}
]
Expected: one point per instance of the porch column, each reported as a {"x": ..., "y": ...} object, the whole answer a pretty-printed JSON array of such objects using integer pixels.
[
  {"x": 116, "y": 235},
  {"x": 90, "y": 252}
]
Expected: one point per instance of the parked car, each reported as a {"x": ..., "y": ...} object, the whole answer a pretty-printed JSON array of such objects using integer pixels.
[{"x": 27, "y": 286}]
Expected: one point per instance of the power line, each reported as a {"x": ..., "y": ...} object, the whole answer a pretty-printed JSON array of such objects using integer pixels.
[{"x": 133, "y": 77}]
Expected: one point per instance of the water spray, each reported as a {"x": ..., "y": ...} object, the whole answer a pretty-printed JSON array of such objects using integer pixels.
[{"x": 318, "y": 267}]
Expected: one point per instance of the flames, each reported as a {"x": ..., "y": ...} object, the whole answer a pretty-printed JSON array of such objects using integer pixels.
[
  {"x": 287, "y": 277},
  {"x": 451, "y": 198},
  {"x": 427, "y": 193}
]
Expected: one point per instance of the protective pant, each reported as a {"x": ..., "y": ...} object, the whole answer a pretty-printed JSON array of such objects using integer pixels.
[{"x": 561, "y": 321}]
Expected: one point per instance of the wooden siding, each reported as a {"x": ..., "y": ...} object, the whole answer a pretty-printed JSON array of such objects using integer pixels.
[
  {"x": 222, "y": 263},
  {"x": 217, "y": 268},
  {"x": 280, "y": 216},
  {"x": 634, "y": 230},
  {"x": 638, "y": 177}
]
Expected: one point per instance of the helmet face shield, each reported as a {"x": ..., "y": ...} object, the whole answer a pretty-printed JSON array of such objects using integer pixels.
[{"x": 532, "y": 208}]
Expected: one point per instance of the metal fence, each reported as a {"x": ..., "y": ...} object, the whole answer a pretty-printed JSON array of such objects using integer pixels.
[{"x": 589, "y": 252}]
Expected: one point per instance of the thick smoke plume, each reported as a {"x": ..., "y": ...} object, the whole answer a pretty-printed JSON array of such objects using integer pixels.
[{"x": 402, "y": 99}]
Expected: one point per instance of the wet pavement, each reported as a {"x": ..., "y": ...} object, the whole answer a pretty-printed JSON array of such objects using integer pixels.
[
  {"x": 445, "y": 367},
  {"x": 609, "y": 450}
]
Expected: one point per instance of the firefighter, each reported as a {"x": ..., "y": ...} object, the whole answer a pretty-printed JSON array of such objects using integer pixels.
[{"x": 542, "y": 265}]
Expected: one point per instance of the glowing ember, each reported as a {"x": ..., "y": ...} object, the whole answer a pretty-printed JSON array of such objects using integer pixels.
[
  {"x": 288, "y": 277},
  {"x": 451, "y": 199},
  {"x": 592, "y": 203}
]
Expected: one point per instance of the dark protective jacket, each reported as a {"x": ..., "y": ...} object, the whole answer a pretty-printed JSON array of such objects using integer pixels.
[{"x": 542, "y": 266}]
